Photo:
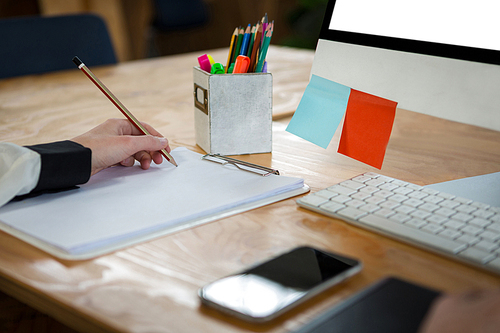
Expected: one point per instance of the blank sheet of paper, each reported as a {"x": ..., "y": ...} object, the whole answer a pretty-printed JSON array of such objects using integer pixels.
[{"x": 120, "y": 203}]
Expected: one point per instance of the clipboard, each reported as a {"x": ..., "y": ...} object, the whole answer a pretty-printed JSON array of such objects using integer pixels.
[{"x": 101, "y": 217}]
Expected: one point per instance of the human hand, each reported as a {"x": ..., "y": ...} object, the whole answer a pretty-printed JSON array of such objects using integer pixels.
[
  {"x": 477, "y": 311},
  {"x": 117, "y": 141}
]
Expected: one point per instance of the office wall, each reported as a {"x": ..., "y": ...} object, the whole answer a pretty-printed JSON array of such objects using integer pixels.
[{"x": 134, "y": 35}]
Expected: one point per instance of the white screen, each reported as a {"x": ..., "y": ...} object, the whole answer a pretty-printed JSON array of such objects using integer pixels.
[{"x": 473, "y": 23}]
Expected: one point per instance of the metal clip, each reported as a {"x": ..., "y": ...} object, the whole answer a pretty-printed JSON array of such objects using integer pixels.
[{"x": 242, "y": 165}]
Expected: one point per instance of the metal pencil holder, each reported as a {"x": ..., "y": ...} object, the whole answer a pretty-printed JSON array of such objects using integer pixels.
[{"x": 233, "y": 112}]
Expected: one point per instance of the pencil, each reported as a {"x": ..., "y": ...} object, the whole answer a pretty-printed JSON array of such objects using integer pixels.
[
  {"x": 256, "y": 46},
  {"x": 232, "y": 48},
  {"x": 118, "y": 104},
  {"x": 263, "y": 52},
  {"x": 238, "y": 44},
  {"x": 250, "y": 44},
  {"x": 246, "y": 40}
]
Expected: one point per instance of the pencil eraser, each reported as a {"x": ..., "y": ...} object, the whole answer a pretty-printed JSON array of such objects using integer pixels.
[{"x": 77, "y": 61}]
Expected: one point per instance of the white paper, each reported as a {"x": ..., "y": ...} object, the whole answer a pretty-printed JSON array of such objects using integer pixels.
[{"x": 120, "y": 203}]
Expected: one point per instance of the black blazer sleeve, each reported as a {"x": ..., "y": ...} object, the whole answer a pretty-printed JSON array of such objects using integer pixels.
[{"x": 64, "y": 164}]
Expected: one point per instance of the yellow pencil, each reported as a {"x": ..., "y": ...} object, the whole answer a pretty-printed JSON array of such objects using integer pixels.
[{"x": 232, "y": 47}]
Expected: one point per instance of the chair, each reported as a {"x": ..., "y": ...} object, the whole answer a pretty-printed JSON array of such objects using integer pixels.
[{"x": 36, "y": 44}]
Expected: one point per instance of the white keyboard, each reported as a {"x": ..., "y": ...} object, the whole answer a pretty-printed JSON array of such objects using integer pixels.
[{"x": 460, "y": 228}]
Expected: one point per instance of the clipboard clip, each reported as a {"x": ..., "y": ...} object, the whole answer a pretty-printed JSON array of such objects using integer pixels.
[{"x": 242, "y": 165}]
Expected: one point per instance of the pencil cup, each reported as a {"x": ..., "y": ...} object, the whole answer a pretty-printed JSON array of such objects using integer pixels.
[{"x": 233, "y": 112}]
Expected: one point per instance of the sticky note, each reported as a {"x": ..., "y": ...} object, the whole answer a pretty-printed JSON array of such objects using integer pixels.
[
  {"x": 367, "y": 128},
  {"x": 320, "y": 111}
]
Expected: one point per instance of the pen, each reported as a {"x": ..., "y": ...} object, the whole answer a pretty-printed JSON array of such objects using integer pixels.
[{"x": 118, "y": 104}]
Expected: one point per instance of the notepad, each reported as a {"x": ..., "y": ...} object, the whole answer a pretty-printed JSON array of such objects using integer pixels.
[{"x": 122, "y": 206}]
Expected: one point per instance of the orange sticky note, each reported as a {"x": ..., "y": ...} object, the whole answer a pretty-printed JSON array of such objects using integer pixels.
[{"x": 367, "y": 128}]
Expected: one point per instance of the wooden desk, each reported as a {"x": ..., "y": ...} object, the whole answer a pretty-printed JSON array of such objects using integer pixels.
[{"x": 153, "y": 286}]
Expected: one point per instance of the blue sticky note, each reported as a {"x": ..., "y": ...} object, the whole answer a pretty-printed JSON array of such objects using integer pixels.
[{"x": 320, "y": 111}]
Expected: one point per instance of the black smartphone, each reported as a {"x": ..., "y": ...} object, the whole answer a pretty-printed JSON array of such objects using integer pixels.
[{"x": 265, "y": 291}]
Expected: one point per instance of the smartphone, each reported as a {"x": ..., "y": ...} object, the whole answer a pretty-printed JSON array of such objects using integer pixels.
[{"x": 265, "y": 291}]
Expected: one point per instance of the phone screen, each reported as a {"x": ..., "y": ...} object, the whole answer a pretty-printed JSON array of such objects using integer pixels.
[{"x": 262, "y": 292}]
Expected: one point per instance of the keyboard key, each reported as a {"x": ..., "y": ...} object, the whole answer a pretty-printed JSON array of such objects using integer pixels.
[
  {"x": 413, "y": 202},
  {"x": 429, "y": 207},
  {"x": 421, "y": 214},
  {"x": 332, "y": 207},
  {"x": 361, "y": 195},
  {"x": 438, "y": 219},
  {"x": 340, "y": 198},
  {"x": 449, "y": 204},
  {"x": 325, "y": 194},
  {"x": 486, "y": 246},
  {"x": 417, "y": 194},
  {"x": 477, "y": 255},
  {"x": 404, "y": 209},
  {"x": 419, "y": 236},
  {"x": 432, "y": 228},
  {"x": 352, "y": 184},
  {"x": 483, "y": 213},
  {"x": 470, "y": 240},
  {"x": 450, "y": 233},
  {"x": 313, "y": 200},
  {"x": 398, "y": 197},
  {"x": 355, "y": 203},
  {"x": 398, "y": 217},
  {"x": 351, "y": 213},
  {"x": 433, "y": 199},
  {"x": 472, "y": 230},
  {"x": 370, "y": 208},
  {"x": 416, "y": 223},
  {"x": 339, "y": 189},
  {"x": 445, "y": 211}
]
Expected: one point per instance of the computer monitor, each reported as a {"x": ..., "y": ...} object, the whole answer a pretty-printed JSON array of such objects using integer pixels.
[{"x": 438, "y": 57}]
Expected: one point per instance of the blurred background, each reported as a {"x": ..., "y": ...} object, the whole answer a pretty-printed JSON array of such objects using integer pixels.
[{"x": 151, "y": 28}]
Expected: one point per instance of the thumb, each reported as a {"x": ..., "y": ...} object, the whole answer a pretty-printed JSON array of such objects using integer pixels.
[{"x": 148, "y": 143}]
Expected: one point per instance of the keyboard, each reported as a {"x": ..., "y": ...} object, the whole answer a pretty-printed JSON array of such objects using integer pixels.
[{"x": 463, "y": 229}]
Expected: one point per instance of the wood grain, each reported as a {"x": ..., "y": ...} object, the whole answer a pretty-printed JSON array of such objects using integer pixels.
[{"x": 152, "y": 287}]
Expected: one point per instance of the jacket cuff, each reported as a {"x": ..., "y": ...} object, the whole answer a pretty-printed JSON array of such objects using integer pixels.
[{"x": 64, "y": 164}]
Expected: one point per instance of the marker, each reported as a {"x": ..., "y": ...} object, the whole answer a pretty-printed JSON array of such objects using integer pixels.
[
  {"x": 241, "y": 65},
  {"x": 204, "y": 61},
  {"x": 118, "y": 104},
  {"x": 217, "y": 68}
]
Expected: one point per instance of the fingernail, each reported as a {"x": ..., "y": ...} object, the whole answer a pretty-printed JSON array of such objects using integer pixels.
[{"x": 163, "y": 141}]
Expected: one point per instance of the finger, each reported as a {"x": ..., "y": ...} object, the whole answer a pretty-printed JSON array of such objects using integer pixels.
[
  {"x": 157, "y": 157},
  {"x": 144, "y": 158},
  {"x": 128, "y": 162}
]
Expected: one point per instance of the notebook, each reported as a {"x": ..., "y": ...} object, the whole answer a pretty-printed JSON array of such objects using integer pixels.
[
  {"x": 121, "y": 206},
  {"x": 391, "y": 305}
]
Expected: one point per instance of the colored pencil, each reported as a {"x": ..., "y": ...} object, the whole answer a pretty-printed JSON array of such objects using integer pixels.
[
  {"x": 263, "y": 52},
  {"x": 256, "y": 46},
  {"x": 232, "y": 48},
  {"x": 239, "y": 41},
  {"x": 246, "y": 41}
]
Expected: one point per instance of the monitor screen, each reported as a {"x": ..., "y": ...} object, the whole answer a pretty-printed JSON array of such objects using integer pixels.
[{"x": 466, "y": 30}]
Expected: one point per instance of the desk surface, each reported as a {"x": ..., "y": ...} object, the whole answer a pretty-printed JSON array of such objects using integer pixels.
[{"x": 153, "y": 286}]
